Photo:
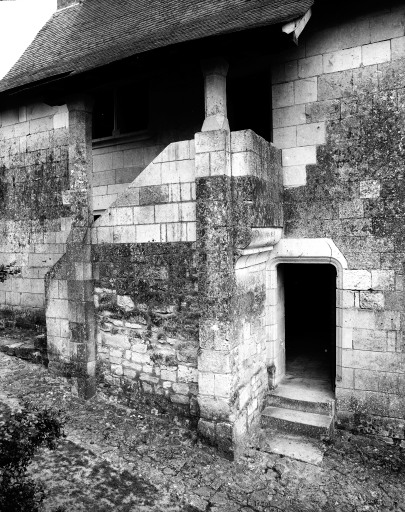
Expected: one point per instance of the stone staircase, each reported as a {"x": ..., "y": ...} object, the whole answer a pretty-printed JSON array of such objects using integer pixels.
[{"x": 297, "y": 416}]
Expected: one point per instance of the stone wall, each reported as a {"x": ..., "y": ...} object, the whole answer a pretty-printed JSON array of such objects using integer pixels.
[
  {"x": 145, "y": 273},
  {"x": 339, "y": 115},
  {"x": 70, "y": 316},
  {"x": 34, "y": 222},
  {"x": 115, "y": 166},
  {"x": 238, "y": 188}
]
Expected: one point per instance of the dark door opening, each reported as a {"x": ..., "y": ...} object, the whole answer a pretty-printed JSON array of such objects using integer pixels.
[{"x": 310, "y": 320}]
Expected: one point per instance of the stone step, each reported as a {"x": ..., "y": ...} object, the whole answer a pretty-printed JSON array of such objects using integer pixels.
[
  {"x": 296, "y": 447},
  {"x": 326, "y": 408},
  {"x": 290, "y": 421},
  {"x": 24, "y": 350},
  {"x": 303, "y": 394}
]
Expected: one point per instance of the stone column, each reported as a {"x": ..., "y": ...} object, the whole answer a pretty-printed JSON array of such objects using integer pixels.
[
  {"x": 69, "y": 285},
  {"x": 215, "y": 71},
  {"x": 216, "y": 277}
]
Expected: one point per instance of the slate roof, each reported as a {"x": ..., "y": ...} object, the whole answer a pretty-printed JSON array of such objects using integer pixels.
[{"x": 99, "y": 32}]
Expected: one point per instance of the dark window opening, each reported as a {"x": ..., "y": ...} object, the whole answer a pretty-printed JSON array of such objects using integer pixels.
[
  {"x": 310, "y": 320},
  {"x": 120, "y": 111},
  {"x": 249, "y": 103}
]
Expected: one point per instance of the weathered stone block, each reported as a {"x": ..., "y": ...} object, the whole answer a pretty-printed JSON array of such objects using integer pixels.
[
  {"x": 342, "y": 60},
  {"x": 140, "y": 358},
  {"x": 376, "y": 53},
  {"x": 117, "y": 369},
  {"x": 305, "y": 90},
  {"x": 187, "y": 212},
  {"x": 295, "y": 176},
  {"x": 322, "y": 111},
  {"x": 398, "y": 48},
  {"x": 299, "y": 156},
  {"x": 187, "y": 374},
  {"x": 143, "y": 214},
  {"x": 140, "y": 348},
  {"x": 214, "y": 361},
  {"x": 223, "y": 385},
  {"x": 283, "y": 95},
  {"x": 310, "y": 134},
  {"x": 335, "y": 85},
  {"x": 366, "y": 379},
  {"x": 383, "y": 280},
  {"x": 180, "y": 388},
  {"x": 370, "y": 189},
  {"x": 369, "y": 339},
  {"x": 283, "y": 138},
  {"x": 125, "y": 302},
  {"x": 289, "y": 116},
  {"x": 356, "y": 280},
  {"x": 148, "y": 233},
  {"x": 311, "y": 66},
  {"x": 167, "y": 212},
  {"x": 115, "y": 340},
  {"x": 216, "y": 409},
  {"x": 132, "y": 366},
  {"x": 206, "y": 383},
  {"x": 149, "y": 378},
  {"x": 210, "y": 141},
  {"x": 372, "y": 300},
  {"x": 180, "y": 399},
  {"x": 351, "y": 209},
  {"x": 169, "y": 375},
  {"x": 389, "y": 320}
]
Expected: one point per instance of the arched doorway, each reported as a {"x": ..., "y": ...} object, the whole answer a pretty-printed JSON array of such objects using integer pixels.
[
  {"x": 310, "y": 322},
  {"x": 304, "y": 282}
]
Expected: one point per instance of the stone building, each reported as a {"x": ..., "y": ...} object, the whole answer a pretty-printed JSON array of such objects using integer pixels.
[{"x": 206, "y": 201}]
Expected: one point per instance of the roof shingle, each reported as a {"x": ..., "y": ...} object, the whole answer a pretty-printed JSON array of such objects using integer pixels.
[{"x": 99, "y": 32}]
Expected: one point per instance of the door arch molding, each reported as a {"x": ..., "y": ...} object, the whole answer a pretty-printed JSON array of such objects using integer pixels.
[{"x": 289, "y": 250}]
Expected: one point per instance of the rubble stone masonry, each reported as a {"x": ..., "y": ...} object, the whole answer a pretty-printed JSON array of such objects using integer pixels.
[{"x": 145, "y": 270}]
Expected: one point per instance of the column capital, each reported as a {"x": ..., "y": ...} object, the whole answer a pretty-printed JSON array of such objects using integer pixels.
[{"x": 80, "y": 103}]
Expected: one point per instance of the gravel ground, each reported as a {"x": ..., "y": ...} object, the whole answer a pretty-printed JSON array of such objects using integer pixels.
[{"x": 119, "y": 459}]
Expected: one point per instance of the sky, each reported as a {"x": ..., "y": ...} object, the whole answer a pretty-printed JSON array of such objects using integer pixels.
[{"x": 20, "y": 21}]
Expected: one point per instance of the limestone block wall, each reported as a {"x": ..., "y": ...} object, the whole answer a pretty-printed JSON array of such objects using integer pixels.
[
  {"x": 145, "y": 272},
  {"x": 34, "y": 222},
  {"x": 115, "y": 166},
  {"x": 320, "y": 80},
  {"x": 250, "y": 370},
  {"x": 239, "y": 186},
  {"x": 70, "y": 314},
  {"x": 339, "y": 118},
  {"x": 257, "y": 203}
]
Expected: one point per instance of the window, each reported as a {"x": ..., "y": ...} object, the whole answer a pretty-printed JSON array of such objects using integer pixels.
[{"x": 120, "y": 111}]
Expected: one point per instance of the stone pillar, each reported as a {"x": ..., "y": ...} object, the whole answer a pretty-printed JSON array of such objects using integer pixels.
[
  {"x": 216, "y": 277},
  {"x": 78, "y": 250},
  {"x": 215, "y": 71},
  {"x": 69, "y": 285}
]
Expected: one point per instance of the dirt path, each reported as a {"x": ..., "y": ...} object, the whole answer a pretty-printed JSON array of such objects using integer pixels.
[{"x": 119, "y": 459}]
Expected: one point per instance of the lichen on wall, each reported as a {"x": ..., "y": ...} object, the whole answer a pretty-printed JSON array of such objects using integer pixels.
[
  {"x": 147, "y": 308},
  {"x": 354, "y": 195},
  {"x": 34, "y": 222}
]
